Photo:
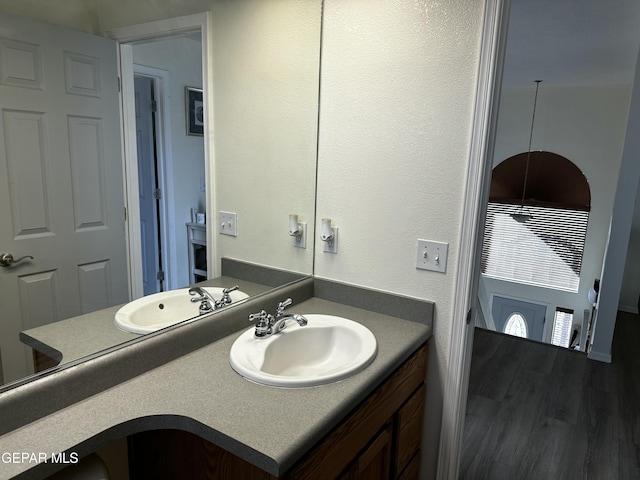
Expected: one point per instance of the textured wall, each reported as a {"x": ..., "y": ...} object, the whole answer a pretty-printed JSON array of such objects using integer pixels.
[
  {"x": 265, "y": 86},
  {"x": 397, "y": 98},
  {"x": 629, "y": 296},
  {"x": 75, "y": 14}
]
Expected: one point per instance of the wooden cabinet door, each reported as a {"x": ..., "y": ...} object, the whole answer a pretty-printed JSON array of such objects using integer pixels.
[
  {"x": 375, "y": 462},
  {"x": 409, "y": 430}
]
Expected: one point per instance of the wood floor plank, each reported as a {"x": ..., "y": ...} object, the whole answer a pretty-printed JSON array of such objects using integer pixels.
[
  {"x": 477, "y": 374},
  {"x": 556, "y": 450},
  {"x": 486, "y": 342},
  {"x": 540, "y": 358},
  {"x": 628, "y": 420},
  {"x": 480, "y": 414},
  {"x": 507, "y": 439},
  {"x": 599, "y": 426},
  {"x": 587, "y": 421},
  {"x": 502, "y": 368},
  {"x": 483, "y": 468},
  {"x": 564, "y": 394}
]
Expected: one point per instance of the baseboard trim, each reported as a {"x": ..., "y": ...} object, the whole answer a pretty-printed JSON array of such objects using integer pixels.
[
  {"x": 628, "y": 309},
  {"x": 600, "y": 357}
]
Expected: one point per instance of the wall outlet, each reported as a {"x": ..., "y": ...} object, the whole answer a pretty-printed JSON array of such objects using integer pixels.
[
  {"x": 432, "y": 255},
  {"x": 228, "y": 223},
  {"x": 300, "y": 241},
  {"x": 332, "y": 246}
]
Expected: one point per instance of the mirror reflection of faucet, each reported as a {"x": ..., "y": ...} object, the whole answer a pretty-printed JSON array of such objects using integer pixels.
[
  {"x": 267, "y": 324},
  {"x": 208, "y": 303}
]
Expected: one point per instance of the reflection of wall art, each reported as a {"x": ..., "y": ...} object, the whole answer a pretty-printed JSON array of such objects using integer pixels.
[{"x": 195, "y": 112}]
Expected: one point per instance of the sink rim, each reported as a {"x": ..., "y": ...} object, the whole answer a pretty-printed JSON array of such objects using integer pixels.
[
  {"x": 122, "y": 318},
  {"x": 243, "y": 363}
]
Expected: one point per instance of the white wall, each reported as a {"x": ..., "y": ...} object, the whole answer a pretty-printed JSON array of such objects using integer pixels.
[
  {"x": 265, "y": 88},
  {"x": 181, "y": 57},
  {"x": 119, "y": 13},
  {"x": 75, "y": 14},
  {"x": 587, "y": 126},
  {"x": 631, "y": 279},
  {"x": 619, "y": 232},
  {"x": 397, "y": 98}
]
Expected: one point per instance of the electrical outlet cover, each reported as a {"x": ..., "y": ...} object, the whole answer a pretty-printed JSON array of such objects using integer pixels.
[
  {"x": 301, "y": 241},
  {"x": 332, "y": 247}
]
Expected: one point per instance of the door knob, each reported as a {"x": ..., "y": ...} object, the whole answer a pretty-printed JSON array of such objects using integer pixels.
[{"x": 6, "y": 259}]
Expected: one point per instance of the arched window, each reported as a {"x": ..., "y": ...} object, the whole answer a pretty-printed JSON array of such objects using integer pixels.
[
  {"x": 516, "y": 325},
  {"x": 545, "y": 248}
]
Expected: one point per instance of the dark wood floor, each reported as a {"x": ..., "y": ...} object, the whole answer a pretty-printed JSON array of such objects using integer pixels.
[{"x": 540, "y": 412}]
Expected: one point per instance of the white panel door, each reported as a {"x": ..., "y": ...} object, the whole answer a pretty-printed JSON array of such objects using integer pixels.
[{"x": 61, "y": 183}]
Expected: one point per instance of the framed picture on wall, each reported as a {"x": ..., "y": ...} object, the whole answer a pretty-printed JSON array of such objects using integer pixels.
[{"x": 195, "y": 111}]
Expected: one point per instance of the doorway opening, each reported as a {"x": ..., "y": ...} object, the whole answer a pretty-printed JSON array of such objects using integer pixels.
[
  {"x": 149, "y": 189},
  {"x": 165, "y": 59}
]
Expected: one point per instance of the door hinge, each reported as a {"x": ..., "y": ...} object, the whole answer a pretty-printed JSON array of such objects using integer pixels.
[
  {"x": 157, "y": 193},
  {"x": 154, "y": 106},
  {"x": 469, "y": 316},
  {"x": 119, "y": 84},
  {"x": 125, "y": 214},
  {"x": 160, "y": 276}
]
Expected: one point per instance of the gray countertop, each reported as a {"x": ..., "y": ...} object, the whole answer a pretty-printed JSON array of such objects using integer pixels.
[
  {"x": 87, "y": 334},
  {"x": 199, "y": 392}
]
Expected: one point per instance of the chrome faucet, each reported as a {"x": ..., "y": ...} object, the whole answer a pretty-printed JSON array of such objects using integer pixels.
[
  {"x": 207, "y": 303},
  {"x": 267, "y": 324}
]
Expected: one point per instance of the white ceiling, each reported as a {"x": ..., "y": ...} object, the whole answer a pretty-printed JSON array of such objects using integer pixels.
[{"x": 572, "y": 42}]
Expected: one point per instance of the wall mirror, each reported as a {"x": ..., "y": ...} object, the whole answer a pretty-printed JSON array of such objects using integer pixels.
[
  {"x": 586, "y": 62},
  {"x": 230, "y": 134}
]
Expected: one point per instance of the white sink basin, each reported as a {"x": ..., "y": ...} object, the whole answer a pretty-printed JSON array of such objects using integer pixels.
[
  {"x": 326, "y": 350},
  {"x": 160, "y": 310}
]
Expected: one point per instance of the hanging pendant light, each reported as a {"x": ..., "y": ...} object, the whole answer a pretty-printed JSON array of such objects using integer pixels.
[{"x": 522, "y": 214}]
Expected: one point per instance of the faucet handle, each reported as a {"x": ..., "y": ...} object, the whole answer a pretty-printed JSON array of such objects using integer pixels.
[
  {"x": 227, "y": 291},
  {"x": 263, "y": 324},
  {"x": 260, "y": 316},
  {"x": 198, "y": 294},
  {"x": 226, "y": 298},
  {"x": 282, "y": 306}
]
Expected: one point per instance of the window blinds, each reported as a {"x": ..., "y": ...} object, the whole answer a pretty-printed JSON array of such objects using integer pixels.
[{"x": 546, "y": 250}]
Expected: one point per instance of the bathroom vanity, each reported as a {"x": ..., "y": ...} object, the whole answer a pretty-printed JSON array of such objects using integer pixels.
[
  {"x": 178, "y": 392},
  {"x": 379, "y": 439}
]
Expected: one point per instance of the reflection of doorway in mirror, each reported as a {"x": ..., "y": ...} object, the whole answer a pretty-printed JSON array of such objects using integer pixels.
[
  {"x": 177, "y": 177},
  {"x": 149, "y": 191}
]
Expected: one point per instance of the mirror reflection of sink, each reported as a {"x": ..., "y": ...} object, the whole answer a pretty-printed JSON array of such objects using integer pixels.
[
  {"x": 326, "y": 350},
  {"x": 160, "y": 310}
]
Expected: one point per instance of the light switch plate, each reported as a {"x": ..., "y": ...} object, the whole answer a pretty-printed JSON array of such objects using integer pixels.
[
  {"x": 228, "y": 223},
  {"x": 432, "y": 255}
]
